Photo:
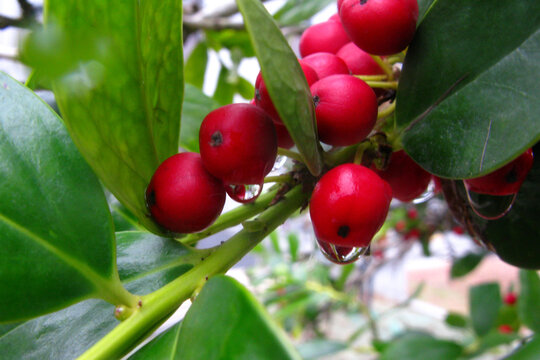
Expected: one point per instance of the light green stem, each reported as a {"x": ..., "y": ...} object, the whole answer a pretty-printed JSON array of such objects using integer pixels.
[
  {"x": 383, "y": 84},
  {"x": 290, "y": 154},
  {"x": 387, "y": 111},
  {"x": 386, "y": 68},
  {"x": 155, "y": 306}
]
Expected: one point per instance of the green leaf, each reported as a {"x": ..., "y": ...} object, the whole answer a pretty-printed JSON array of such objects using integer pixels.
[
  {"x": 484, "y": 304},
  {"x": 423, "y": 8},
  {"x": 196, "y": 106},
  {"x": 56, "y": 231},
  {"x": 285, "y": 81},
  {"x": 294, "y": 244},
  {"x": 529, "y": 299},
  {"x": 493, "y": 339},
  {"x": 225, "y": 87},
  {"x": 122, "y": 105},
  {"x": 195, "y": 68},
  {"x": 145, "y": 262},
  {"x": 456, "y": 320},
  {"x": 466, "y": 97},
  {"x": 225, "y": 321},
  {"x": 529, "y": 351},
  {"x": 232, "y": 40},
  {"x": 318, "y": 348},
  {"x": 465, "y": 264},
  {"x": 294, "y": 12},
  {"x": 414, "y": 346},
  {"x": 163, "y": 346},
  {"x": 245, "y": 88}
]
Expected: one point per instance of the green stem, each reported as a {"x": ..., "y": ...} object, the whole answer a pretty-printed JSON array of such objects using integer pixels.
[
  {"x": 372, "y": 77},
  {"x": 159, "y": 304},
  {"x": 234, "y": 217},
  {"x": 341, "y": 156},
  {"x": 278, "y": 179},
  {"x": 290, "y": 154},
  {"x": 383, "y": 84},
  {"x": 386, "y": 68},
  {"x": 387, "y": 111}
]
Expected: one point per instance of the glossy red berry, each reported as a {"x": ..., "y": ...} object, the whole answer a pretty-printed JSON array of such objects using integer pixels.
[
  {"x": 284, "y": 139},
  {"x": 326, "y": 64},
  {"x": 328, "y": 36},
  {"x": 412, "y": 213},
  {"x": 407, "y": 179},
  {"x": 358, "y": 61},
  {"x": 414, "y": 233},
  {"x": 238, "y": 144},
  {"x": 349, "y": 205},
  {"x": 380, "y": 27},
  {"x": 510, "y": 298},
  {"x": 506, "y": 180},
  {"x": 262, "y": 97},
  {"x": 182, "y": 196},
  {"x": 345, "y": 108}
]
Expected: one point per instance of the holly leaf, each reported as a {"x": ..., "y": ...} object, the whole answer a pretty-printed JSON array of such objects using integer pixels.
[
  {"x": 121, "y": 100},
  {"x": 464, "y": 265},
  {"x": 145, "y": 263},
  {"x": 285, "y": 81},
  {"x": 294, "y": 12},
  {"x": 484, "y": 304},
  {"x": 529, "y": 298},
  {"x": 413, "y": 346},
  {"x": 466, "y": 102}
]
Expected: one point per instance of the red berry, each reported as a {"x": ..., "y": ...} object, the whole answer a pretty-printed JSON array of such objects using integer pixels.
[
  {"x": 505, "y": 329},
  {"x": 401, "y": 225},
  {"x": 458, "y": 230},
  {"x": 182, "y": 196},
  {"x": 358, "y": 61},
  {"x": 345, "y": 108},
  {"x": 380, "y": 27},
  {"x": 335, "y": 17},
  {"x": 506, "y": 180},
  {"x": 412, "y": 213},
  {"x": 349, "y": 205},
  {"x": 326, "y": 64},
  {"x": 510, "y": 298},
  {"x": 238, "y": 144},
  {"x": 407, "y": 179},
  {"x": 414, "y": 233},
  {"x": 262, "y": 97},
  {"x": 328, "y": 36}
]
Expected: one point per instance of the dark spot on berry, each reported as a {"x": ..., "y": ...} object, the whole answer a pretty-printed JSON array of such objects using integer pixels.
[
  {"x": 362, "y": 2},
  {"x": 343, "y": 231},
  {"x": 512, "y": 176},
  {"x": 151, "y": 198},
  {"x": 316, "y": 100},
  {"x": 216, "y": 139}
]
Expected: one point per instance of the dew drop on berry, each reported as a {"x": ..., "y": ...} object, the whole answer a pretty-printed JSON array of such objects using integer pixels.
[
  {"x": 244, "y": 193},
  {"x": 490, "y": 207},
  {"x": 341, "y": 254},
  {"x": 426, "y": 195}
]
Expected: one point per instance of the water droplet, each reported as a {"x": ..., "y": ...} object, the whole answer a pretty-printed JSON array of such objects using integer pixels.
[
  {"x": 341, "y": 254},
  {"x": 490, "y": 207},
  {"x": 244, "y": 193},
  {"x": 427, "y": 195},
  {"x": 279, "y": 163}
]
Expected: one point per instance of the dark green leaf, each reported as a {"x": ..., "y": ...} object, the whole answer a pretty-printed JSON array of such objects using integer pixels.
[
  {"x": 274, "y": 240},
  {"x": 414, "y": 346},
  {"x": 196, "y": 106},
  {"x": 195, "y": 68},
  {"x": 122, "y": 102},
  {"x": 285, "y": 81},
  {"x": 315, "y": 349},
  {"x": 529, "y": 351},
  {"x": 294, "y": 243},
  {"x": 494, "y": 339},
  {"x": 529, "y": 299},
  {"x": 466, "y": 98},
  {"x": 484, "y": 304},
  {"x": 464, "y": 265},
  {"x": 56, "y": 231},
  {"x": 145, "y": 263},
  {"x": 456, "y": 320},
  {"x": 294, "y": 12},
  {"x": 225, "y": 87},
  {"x": 225, "y": 321},
  {"x": 423, "y": 7},
  {"x": 163, "y": 346}
]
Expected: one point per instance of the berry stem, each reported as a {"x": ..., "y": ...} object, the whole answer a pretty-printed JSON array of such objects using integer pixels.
[
  {"x": 156, "y": 306},
  {"x": 386, "y": 68},
  {"x": 290, "y": 154},
  {"x": 383, "y": 84},
  {"x": 233, "y": 217},
  {"x": 278, "y": 179},
  {"x": 387, "y": 111},
  {"x": 372, "y": 77}
]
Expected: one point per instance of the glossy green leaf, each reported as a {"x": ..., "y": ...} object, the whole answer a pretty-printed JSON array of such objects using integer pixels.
[
  {"x": 493, "y": 339},
  {"x": 196, "y": 106},
  {"x": 318, "y": 348},
  {"x": 484, "y": 304},
  {"x": 529, "y": 299},
  {"x": 145, "y": 262},
  {"x": 244, "y": 88},
  {"x": 232, "y": 40},
  {"x": 423, "y": 8},
  {"x": 414, "y": 346},
  {"x": 285, "y": 81},
  {"x": 467, "y": 100},
  {"x": 294, "y": 244},
  {"x": 456, "y": 320},
  {"x": 294, "y": 12},
  {"x": 528, "y": 351},
  {"x": 56, "y": 230},
  {"x": 226, "y": 322},
  {"x": 122, "y": 106},
  {"x": 195, "y": 67},
  {"x": 464, "y": 265},
  {"x": 163, "y": 346}
]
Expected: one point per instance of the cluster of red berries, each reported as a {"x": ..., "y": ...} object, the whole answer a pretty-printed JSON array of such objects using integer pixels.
[{"x": 238, "y": 142}]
